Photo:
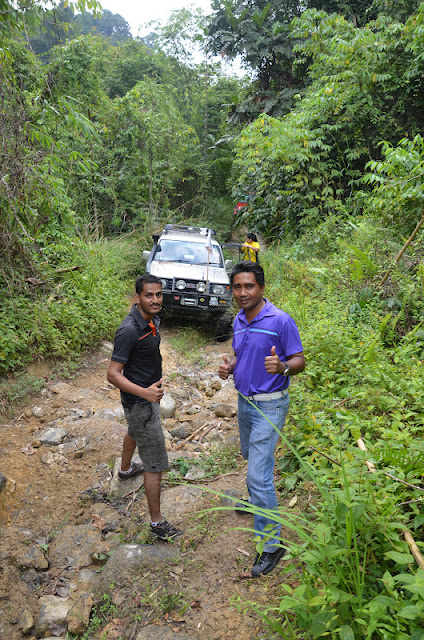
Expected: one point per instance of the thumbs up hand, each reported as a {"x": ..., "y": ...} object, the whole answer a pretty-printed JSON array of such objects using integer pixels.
[
  {"x": 272, "y": 362},
  {"x": 224, "y": 368},
  {"x": 154, "y": 393}
]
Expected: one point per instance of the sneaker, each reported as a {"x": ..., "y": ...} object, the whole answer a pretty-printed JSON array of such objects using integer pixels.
[
  {"x": 165, "y": 531},
  {"x": 134, "y": 470},
  {"x": 267, "y": 561}
]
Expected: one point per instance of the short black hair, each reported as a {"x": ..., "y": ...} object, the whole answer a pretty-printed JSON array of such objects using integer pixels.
[
  {"x": 146, "y": 278},
  {"x": 249, "y": 267},
  {"x": 252, "y": 236}
]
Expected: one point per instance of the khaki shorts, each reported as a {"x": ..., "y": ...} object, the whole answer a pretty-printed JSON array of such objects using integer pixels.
[{"x": 144, "y": 426}]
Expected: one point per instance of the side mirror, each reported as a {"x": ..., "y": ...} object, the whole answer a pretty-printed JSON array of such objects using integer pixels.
[
  {"x": 228, "y": 265},
  {"x": 146, "y": 255}
]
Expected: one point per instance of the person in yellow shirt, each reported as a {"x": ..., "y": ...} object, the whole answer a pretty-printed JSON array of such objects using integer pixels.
[{"x": 250, "y": 248}]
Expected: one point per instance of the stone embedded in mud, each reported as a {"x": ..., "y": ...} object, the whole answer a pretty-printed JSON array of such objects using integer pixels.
[
  {"x": 194, "y": 473},
  {"x": 128, "y": 560},
  {"x": 26, "y": 621},
  {"x": 52, "y": 616},
  {"x": 60, "y": 387},
  {"x": 223, "y": 410},
  {"x": 109, "y": 414},
  {"x": 31, "y": 557},
  {"x": 38, "y": 412},
  {"x": 3, "y": 481},
  {"x": 79, "y": 615},
  {"x": 75, "y": 546},
  {"x": 215, "y": 383},
  {"x": 53, "y": 436}
]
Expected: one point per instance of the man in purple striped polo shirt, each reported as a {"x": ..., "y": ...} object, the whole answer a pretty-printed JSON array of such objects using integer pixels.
[{"x": 267, "y": 351}]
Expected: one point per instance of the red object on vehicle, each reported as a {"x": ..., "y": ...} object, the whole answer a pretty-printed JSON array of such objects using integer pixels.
[{"x": 239, "y": 205}]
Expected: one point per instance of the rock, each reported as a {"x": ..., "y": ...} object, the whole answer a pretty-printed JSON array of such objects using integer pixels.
[
  {"x": 209, "y": 393},
  {"x": 177, "y": 501},
  {"x": 108, "y": 514},
  {"x": 120, "y": 487},
  {"x": 26, "y": 621},
  {"x": 192, "y": 409},
  {"x": 47, "y": 458},
  {"x": 128, "y": 560},
  {"x": 53, "y": 436},
  {"x": 214, "y": 436},
  {"x": 74, "y": 546},
  {"x": 110, "y": 414},
  {"x": 106, "y": 346},
  {"x": 38, "y": 412},
  {"x": 177, "y": 455},
  {"x": 78, "y": 414},
  {"x": 167, "y": 406},
  {"x": 180, "y": 432},
  {"x": 52, "y": 616},
  {"x": 215, "y": 383},
  {"x": 79, "y": 615},
  {"x": 225, "y": 410},
  {"x": 74, "y": 445},
  {"x": 31, "y": 557},
  {"x": 3, "y": 481},
  {"x": 166, "y": 434},
  {"x": 60, "y": 387},
  {"x": 194, "y": 473},
  {"x": 227, "y": 502},
  {"x": 227, "y": 394}
]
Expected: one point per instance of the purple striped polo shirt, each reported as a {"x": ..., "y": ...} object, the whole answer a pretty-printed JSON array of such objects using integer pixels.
[{"x": 253, "y": 341}]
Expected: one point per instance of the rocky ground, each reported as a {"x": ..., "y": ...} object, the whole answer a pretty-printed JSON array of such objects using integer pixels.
[{"x": 76, "y": 556}]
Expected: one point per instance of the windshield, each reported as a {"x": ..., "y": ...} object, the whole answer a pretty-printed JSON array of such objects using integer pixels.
[{"x": 189, "y": 252}]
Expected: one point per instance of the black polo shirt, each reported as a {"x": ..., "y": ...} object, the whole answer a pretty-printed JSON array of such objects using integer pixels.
[{"x": 137, "y": 348}]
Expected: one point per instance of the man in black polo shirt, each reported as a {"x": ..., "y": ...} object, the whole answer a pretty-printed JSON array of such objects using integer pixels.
[{"x": 136, "y": 369}]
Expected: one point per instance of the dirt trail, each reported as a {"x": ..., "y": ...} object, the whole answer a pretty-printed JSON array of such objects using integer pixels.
[{"x": 42, "y": 496}]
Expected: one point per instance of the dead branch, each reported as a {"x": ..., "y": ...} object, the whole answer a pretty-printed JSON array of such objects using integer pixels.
[{"x": 402, "y": 251}]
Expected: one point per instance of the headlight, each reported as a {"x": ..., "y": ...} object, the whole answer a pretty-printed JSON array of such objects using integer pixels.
[
  {"x": 218, "y": 289},
  {"x": 201, "y": 287},
  {"x": 163, "y": 283},
  {"x": 180, "y": 284}
]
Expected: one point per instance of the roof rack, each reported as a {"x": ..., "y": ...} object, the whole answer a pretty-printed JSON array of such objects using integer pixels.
[{"x": 186, "y": 229}]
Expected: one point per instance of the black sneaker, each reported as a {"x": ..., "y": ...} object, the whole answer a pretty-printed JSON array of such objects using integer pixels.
[
  {"x": 165, "y": 531},
  {"x": 266, "y": 562},
  {"x": 134, "y": 470}
]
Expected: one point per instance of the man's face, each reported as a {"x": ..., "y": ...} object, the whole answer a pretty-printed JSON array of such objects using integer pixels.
[
  {"x": 149, "y": 301},
  {"x": 246, "y": 291}
]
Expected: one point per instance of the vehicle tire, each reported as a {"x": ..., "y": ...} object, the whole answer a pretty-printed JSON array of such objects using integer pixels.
[{"x": 223, "y": 327}]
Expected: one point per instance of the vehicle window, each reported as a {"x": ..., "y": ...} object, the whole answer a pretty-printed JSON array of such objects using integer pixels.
[{"x": 189, "y": 252}]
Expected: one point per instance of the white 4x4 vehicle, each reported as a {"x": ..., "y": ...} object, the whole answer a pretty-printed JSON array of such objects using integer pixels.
[{"x": 195, "y": 282}]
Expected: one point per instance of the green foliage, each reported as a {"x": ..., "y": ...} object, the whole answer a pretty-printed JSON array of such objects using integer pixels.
[
  {"x": 258, "y": 32},
  {"x": 398, "y": 176},
  {"x": 70, "y": 310},
  {"x": 308, "y": 166}
]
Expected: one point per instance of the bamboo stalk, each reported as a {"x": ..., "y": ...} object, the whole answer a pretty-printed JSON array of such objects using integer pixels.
[
  {"x": 414, "y": 549},
  {"x": 402, "y": 251}
]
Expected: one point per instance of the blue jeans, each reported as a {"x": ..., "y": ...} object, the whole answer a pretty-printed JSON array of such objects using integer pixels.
[{"x": 258, "y": 440}]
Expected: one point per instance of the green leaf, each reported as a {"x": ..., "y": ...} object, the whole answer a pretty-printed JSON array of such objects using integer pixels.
[
  {"x": 399, "y": 558},
  {"x": 287, "y": 603},
  {"x": 410, "y": 612},
  {"x": 346, "y": 633}
]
